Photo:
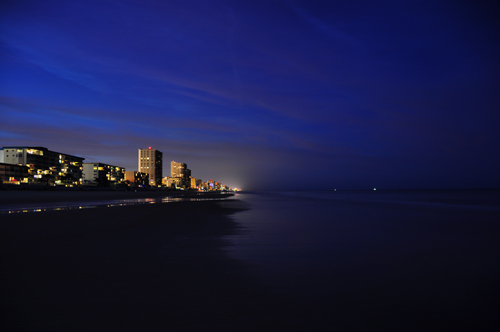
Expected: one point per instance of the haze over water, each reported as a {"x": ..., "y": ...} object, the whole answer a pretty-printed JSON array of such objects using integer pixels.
[{"x": 403, "y": 260}]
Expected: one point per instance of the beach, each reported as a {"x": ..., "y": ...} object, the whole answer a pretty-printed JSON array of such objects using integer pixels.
[
  {"x": 141, "y": 267},
  {"x": 282, "y": 261}
]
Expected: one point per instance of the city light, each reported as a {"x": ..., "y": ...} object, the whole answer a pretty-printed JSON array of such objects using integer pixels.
[{"x": 42, "y": 166}]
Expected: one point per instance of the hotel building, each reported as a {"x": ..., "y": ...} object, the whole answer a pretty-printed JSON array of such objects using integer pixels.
[
  {"x": 151, "y": 162},
  {"x": 45, "y": 166}
]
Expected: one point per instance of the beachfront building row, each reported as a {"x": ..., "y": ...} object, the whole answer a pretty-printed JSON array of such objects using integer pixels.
[
  {"x": 99, "y": 174},
  {"x": 214, "y": 185},
  {"x": 24, "y": 164},
  {"x": 180, "y": 177},
  {"x": 44, "y": 166},
  {"x": 193, "y": 183},
  {"x": 39, "y": 165},
  {"x": 151, "y": 162},
  {"x": 179, "y": 182}
]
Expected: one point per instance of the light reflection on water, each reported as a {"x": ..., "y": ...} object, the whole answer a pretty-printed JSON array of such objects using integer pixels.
[{"x": 100, "y": 204}]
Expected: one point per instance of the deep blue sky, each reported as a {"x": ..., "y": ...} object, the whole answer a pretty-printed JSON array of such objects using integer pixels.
[{"x": 261, "y": 94}]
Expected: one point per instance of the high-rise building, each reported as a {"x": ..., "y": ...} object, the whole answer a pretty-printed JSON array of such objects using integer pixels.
[
  {"x": 151, "y": 162},
  {"x": 180, "y": 171},
  {"x": 177, "y": 170}
]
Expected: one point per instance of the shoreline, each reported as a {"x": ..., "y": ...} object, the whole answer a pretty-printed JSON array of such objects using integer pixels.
[{"x": 9, "y": 198}]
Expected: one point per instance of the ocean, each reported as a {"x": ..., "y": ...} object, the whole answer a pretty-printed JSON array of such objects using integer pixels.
[{"x": 377, "y": 260}]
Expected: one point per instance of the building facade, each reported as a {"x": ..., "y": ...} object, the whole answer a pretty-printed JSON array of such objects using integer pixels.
[
  {"x": 45, "y": 166},
  {"x": 13, "y": 174},
  {"x": 99, "y": 174},
  {"x": 150, "y": 161}
]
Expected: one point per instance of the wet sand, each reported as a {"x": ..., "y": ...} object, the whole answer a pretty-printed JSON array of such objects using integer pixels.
[{"x": 15, "y": 197}]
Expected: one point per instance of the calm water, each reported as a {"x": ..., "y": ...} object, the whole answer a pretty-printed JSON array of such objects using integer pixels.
[{"x": 413, "y": 259}]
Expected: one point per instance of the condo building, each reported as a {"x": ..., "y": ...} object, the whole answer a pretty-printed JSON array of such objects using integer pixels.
[
  {"x": 45, "y": 166},
  {"x": 99, "y": 174},
  {"x": 151, "y": 162}
]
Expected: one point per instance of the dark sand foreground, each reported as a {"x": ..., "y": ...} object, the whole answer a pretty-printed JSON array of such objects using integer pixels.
[
  {"x": 163, "y": 267},
  {"x": 144, "y": 267}
]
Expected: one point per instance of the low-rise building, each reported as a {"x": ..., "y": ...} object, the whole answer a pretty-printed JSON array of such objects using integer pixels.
[
  {"x": 45, "y": 166},
  {"x": 99, "y": 174},
  {"x": 173, "y": 182},
  {"x": 136, "y": 179}
]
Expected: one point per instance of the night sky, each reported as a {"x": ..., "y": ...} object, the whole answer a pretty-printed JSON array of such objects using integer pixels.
[{"x": 261, "y": 94}]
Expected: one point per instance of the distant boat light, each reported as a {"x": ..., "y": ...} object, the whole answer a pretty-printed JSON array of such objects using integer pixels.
[{"x": 374, "y": 188}]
